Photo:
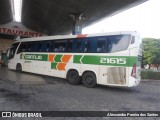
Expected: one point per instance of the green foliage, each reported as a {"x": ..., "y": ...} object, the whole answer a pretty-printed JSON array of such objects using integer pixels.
[
  {"x": 149, "y": 74},
  {"x": 151, "y": 51}
]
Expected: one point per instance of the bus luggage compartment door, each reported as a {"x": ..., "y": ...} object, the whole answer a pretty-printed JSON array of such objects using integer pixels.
[{"x": 116, "y": 75}]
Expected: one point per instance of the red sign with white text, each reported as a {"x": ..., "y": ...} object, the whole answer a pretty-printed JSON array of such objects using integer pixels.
[{"x": 16, "y": 28}]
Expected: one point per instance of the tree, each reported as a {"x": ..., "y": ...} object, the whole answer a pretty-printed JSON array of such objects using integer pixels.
[{"x": 151, "y": 52}]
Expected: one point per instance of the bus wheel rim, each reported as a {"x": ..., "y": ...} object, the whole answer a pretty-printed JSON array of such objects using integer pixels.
[{"x": 89, "y": 80}]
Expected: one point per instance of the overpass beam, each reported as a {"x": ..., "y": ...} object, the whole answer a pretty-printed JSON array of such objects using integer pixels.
[{"x": 77, "y": 23}]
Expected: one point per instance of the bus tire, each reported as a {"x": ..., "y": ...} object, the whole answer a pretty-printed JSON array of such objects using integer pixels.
[
  {"x": 73, "y": 77},
  {"x": 18, "y": 67},
  {"x": 89, "y": 79}
]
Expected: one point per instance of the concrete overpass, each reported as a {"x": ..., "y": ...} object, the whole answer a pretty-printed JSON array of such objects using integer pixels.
[{"x": 63, "y": 17}]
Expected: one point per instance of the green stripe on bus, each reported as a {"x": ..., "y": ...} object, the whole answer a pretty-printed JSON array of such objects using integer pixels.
[
  {"x": 87, "y": 59},
  {"x": 38, "y": 57},
  {"x": 105, "y": 60},
  {"x": 58, "y": 58},
  {"x": 21, "y": 56},
  {"x": 53, "y": 65},
  {"x": 77, "y": 58}
]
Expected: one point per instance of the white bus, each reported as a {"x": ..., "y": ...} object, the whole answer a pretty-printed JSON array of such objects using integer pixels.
[{"x": 112, "y": 59}]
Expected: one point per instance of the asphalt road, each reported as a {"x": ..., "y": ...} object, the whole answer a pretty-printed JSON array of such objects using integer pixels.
[{"x": 52, "y": 94}]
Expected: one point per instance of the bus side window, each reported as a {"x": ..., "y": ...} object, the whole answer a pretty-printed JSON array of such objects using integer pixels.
[
  {"x": 32, "y": 46},
  {"x": 60, "y": 46},
  {"x": 69, "y": 46},
  {"x": 119, "y": 42},
  {"x": 52, "y": 46},
  {"x": 64, "y": 46},
  {"x": 39, "y": 47},
  {"x": 44, "y": 46},
  {"x": 56, "y": 49},
  {"x": 29, "y": 47},
  {"x": 100, "y": 46},
  {"x": 35, "y": 46},
  {"x": 78, "y": 45},
  {"x": 93, "y": 45},
  {"x": 87, "y": 46},
  {"x": 106, "y": 46},
  {"x": 57, "y": 45},
  {"x": 49, "y": 46}
]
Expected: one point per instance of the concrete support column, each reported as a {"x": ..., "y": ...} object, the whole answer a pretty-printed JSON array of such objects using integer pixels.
[{"x": 77, "y": 23}]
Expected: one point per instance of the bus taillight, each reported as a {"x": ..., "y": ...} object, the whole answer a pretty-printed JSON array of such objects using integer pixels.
[{"x": 133, "y": 73}]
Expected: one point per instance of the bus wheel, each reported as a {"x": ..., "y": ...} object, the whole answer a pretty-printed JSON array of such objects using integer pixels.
[
  {"x": 19, "y": 67},
  {"x": 73, "y": 77},
  {"x": 89, "y": 79}
]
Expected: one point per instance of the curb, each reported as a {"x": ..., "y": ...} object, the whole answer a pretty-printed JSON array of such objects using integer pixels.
[
  {"x": 147, "y": 80},
  {"x": 155, "y": 82}
]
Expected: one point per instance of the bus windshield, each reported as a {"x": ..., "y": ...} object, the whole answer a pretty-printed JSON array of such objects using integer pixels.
[{"x": 13, "y": 50}]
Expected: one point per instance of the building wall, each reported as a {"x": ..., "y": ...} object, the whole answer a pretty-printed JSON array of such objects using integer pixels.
[{"x": 4, "y": 45}]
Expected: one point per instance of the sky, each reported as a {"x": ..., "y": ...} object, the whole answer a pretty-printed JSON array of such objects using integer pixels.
[
  {"x": 144, "y": 18},
  {"x": 17, "y": 9}
]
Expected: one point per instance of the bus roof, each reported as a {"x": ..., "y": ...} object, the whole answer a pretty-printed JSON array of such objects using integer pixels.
[{"x": 56, "y": 37}]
